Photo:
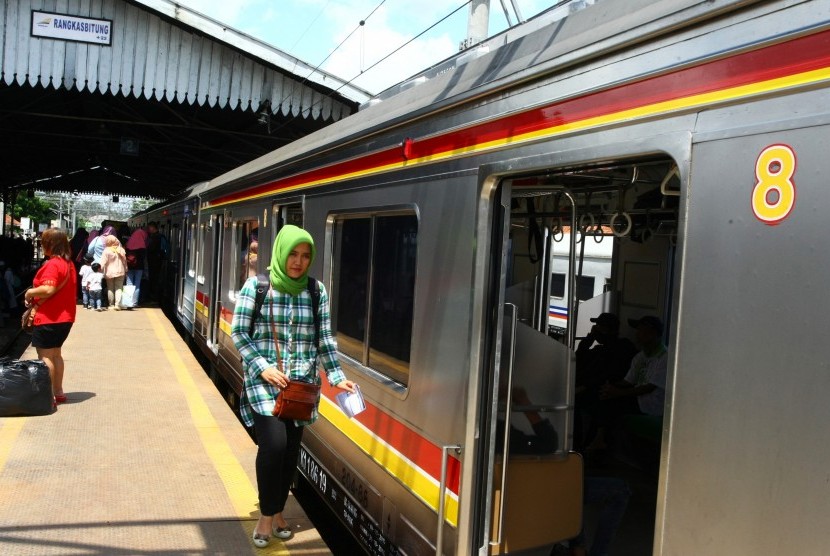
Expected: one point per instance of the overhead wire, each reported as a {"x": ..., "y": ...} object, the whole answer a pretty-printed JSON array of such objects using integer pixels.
[
  {"x": 330, "y": 54},
  {"x": 453, "y": 12}
]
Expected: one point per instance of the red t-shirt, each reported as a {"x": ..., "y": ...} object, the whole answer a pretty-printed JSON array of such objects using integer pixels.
[{"x": 61, "y": 306}]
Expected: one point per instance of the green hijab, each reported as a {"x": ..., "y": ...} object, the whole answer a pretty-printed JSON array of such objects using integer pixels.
[{"x": 288, "y": 238}]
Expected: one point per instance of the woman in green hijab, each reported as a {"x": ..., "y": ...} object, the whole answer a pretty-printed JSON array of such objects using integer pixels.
[{"x": 288, "y": 305}]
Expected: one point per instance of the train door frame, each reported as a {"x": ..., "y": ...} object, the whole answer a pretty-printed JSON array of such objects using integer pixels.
[
  {"x": 673, "y": 143},
  {"x": 185, "y": 247},
  {"x": 214, "y": 288}
]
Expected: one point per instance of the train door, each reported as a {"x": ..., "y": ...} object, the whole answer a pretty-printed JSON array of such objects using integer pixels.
[
  {"x": 205, "y": 259},
  {"x": 214, "y": 296},
  {"x": 548, "y": 228},
  {"x": 533, "y": 482},
  {"x": 187, "y": 276}
]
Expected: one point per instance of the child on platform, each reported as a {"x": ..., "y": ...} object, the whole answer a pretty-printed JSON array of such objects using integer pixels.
[
  {"x": 85, "y": 271},
  {"x": 94, "y": 286}
]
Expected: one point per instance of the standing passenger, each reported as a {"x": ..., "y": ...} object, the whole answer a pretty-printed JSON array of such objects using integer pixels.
[
  {"x": 53, "y": 290},
  {"x": 155, "y": 258},
  {"x": 98, "y": 244},
  {"x": 114, "y": 267},
  {"x": 288, "y": 305},
  {"x": 136, "y": 253}
]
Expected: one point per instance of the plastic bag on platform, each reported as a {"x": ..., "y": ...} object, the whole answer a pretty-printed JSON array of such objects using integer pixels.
[
  {"x": 128, "y": 296},
  {"x": 25, "y": 388}
]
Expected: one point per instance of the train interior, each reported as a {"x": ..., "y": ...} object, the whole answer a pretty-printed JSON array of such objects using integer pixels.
[{"x": 580, "y": 242}]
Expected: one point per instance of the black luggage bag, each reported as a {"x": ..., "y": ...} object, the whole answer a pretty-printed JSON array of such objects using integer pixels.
[{"x": 25, "y": 388}]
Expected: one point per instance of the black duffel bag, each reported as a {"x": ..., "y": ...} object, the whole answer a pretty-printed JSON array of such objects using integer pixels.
[{"x": 25, "y": 388}]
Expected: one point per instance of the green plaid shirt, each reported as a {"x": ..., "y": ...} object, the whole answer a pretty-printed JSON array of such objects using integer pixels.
[{"x": 294, "y": 323}]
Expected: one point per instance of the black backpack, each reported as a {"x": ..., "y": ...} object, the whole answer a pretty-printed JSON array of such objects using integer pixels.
[{"x": 263, "y": 283}]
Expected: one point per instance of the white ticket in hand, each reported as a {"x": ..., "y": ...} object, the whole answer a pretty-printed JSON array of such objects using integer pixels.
[{"x": 351, "y": 404}]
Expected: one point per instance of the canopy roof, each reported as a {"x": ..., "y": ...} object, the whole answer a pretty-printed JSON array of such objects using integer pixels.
[{"x": 176, "y": 98}]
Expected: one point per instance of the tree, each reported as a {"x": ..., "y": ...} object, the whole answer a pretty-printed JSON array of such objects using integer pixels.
[{"x": 36, "y": 209}]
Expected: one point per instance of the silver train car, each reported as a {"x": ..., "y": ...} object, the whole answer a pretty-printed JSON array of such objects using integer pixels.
[{"x": 688, "y": 133}]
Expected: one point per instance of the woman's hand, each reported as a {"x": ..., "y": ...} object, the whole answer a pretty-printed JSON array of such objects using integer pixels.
[
  {"x": 272, "y": 375},
  {"x": 346, "y": 385},
  {"x": 28, "y": 297}
]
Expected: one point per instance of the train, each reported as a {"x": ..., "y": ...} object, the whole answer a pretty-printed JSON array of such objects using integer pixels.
[{"x": 671, "y": 150}]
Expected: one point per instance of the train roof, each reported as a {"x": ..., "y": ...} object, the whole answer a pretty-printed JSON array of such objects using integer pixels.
[{"x": 537, "y": 47}]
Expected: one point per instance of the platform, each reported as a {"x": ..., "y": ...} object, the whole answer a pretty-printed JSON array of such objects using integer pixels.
[{"x": 145, "y": 458}]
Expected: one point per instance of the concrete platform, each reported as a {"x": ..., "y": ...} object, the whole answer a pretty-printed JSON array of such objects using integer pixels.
[{"x": 145, "y": 458}]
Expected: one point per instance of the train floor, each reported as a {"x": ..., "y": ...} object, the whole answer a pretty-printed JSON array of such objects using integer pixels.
[{"x": 144, "y": 458}]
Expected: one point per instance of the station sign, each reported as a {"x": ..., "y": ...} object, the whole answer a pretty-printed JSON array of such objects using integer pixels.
[{"x": 71, "y": 28}]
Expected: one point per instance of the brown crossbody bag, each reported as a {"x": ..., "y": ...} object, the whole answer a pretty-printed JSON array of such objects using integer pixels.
[{"x": 298, "y": 399}]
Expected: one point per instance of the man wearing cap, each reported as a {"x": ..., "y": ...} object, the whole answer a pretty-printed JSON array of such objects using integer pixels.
[
  {"x": 602, "y": 357},
  {"x": 646, "y": 379}
]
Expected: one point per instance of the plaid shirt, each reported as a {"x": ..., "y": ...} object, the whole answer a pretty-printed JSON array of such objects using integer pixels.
[{"x": 294, "y": 323}]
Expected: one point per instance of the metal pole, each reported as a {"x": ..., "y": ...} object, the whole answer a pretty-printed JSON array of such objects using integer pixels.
[
  {"x": 506, "y": 14},
  {"x": 478, "y": 23},
  {"x": 516, "y": 10}
]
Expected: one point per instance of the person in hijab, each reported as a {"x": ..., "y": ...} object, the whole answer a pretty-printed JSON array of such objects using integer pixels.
[
  {"x": 288, "y": 305},
  {"x": 114, "y": 266},
  {"x": 97, "y": 245},
  {"x": 136, "y": 249},
  {"x": 77, "y": 244}
]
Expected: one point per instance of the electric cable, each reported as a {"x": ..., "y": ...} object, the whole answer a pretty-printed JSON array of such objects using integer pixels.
[
  {"x": 330, "y": 54},
  {"x": 453, "y": 12}
]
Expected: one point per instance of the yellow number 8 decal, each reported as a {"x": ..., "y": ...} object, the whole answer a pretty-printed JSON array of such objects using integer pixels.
[{"x": 773, "y": 197}]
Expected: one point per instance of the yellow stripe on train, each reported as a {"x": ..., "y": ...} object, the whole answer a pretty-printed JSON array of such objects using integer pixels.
[
  {"x": 413, "y": 477},
  {"x": 658, "y": 109}
]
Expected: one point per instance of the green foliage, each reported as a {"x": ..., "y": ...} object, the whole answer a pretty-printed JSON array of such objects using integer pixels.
[{"x": 38, "y": 210}]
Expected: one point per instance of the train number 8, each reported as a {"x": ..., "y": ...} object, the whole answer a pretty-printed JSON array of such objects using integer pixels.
[{"x": 773, "y": 196}]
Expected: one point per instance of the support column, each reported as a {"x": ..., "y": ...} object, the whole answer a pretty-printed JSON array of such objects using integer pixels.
[{"x": 478, "y": 23}]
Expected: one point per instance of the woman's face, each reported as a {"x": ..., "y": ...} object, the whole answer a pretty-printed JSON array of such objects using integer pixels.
[{"x": 298, "y": 261}]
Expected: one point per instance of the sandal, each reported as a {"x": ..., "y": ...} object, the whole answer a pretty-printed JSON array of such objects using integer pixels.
[
  {"x": 260, "y": 541},
  {"x": 60, "y": 398},
  {"x": 283, "y": 533}
]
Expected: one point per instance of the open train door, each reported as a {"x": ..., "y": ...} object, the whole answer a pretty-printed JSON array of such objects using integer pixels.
[{"x": 530, "y": 490}]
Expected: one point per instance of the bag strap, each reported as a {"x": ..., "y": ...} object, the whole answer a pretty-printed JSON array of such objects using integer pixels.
[
  {"x": 274, "y": 334},
  {"x": 262, "y": 287},
  {"x": 314, "y": 291}
]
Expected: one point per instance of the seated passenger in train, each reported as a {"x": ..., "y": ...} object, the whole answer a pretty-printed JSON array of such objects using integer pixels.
[
  {"x": 645, "y": 381},
  {"x": 544, "y": 439},
  {"x": 602, "y": 357},
  {"x": 643, "y": 390}
]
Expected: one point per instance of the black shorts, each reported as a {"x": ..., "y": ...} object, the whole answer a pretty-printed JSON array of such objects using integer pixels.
[{"x": 48, "y": 336}]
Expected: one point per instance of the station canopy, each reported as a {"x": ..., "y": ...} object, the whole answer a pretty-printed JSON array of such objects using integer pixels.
[{"x": 145, "y": 98}]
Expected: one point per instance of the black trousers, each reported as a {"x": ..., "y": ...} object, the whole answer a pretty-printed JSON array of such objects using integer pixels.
[{"x": 276, "y": 460}]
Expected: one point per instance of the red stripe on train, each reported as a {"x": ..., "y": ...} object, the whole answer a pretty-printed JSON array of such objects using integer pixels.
[
  {"x": 409, "y": 443},
  {"x": 779, "y": 60}
]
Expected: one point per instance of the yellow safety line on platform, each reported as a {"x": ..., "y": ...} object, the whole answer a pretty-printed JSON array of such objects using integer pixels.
[
  {"x": 8, "y": 434},
  {"x": 241, "y": 492}
]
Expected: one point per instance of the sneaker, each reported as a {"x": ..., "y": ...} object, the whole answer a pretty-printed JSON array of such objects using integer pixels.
[{"x": 117, "y": 307}]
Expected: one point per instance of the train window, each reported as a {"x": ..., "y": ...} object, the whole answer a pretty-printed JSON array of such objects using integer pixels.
[
  {"x": 190, "y": 253},
  {"x": 374, "y": 283},
  {"x": 584, "y": 287},
  {"x": 200, "y": 260},
  {"x": 557, "y": 285},
  {"x": 245, "y": 251}
]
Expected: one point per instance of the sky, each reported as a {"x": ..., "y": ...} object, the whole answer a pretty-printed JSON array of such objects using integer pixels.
[{"x": 312, "y": 29}]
